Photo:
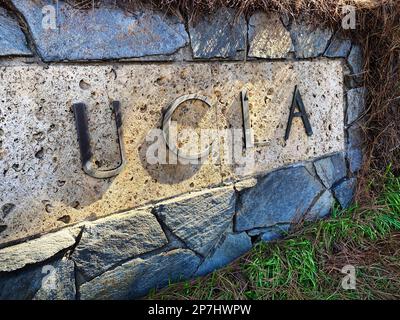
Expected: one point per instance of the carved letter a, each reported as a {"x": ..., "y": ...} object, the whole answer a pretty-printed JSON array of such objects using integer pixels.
[{"x": 298, "y": 102}]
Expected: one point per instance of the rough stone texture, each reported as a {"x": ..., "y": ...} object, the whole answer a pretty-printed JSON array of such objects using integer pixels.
[
  {"x": 355, "y": 157},
  {"x": 354, "y": 147},
  {"x": 270, "y": 89},
  {"x": 232, "y": 247},
  {"x": 103, "y": 33},
  {"x": 108, "y": 241},
  {"x": 355, "y": 60},
  {"x": 135, "y": 278},
  {"x": 199, "y": 219},
  {"x": 309, "y": 41},
  {"x": 268, "y": 37},
  {"x": 218, "y": 35},
  {"x": 53, "y": 281},
  {"x": 35, "y": 251},
  {"x": 331, "y": 169},
  {"x": 344, "y": 192},
  {"x": 12, "y": 39},
  {"x": 355, "y": 104},
  {"x": 281, "y": 197},
  {"x": 59, "y": 283},
  {"x": 339, "y": 47},
  {"x": 322, "y": 207},
  {"x": 40, "y": 159}
]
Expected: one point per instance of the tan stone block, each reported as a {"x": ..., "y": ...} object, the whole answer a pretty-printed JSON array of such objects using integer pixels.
[
  {"x": 40, "y": 160},
  {"x": 270, "y": 88},
  {"x": 36, "y": 115}
]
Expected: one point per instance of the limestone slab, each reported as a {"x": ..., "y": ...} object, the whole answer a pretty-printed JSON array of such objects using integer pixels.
[
  {"x": 40, "y": 158},
  {"x": 270, "y": 88},
  {"x": 43, "y": 186}
]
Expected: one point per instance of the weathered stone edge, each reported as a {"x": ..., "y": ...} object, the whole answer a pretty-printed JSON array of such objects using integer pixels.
[{"x": 336, "y": 46}]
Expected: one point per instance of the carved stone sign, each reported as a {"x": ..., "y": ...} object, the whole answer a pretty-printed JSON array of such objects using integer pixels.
[{"x": 294, "y": 113}]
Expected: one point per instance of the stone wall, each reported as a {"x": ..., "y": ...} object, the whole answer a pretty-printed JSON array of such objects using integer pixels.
[{"x": 67, "y": 235}]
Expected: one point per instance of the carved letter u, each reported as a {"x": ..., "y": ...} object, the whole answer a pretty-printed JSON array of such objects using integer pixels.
[{"x": 81, "y": 121}]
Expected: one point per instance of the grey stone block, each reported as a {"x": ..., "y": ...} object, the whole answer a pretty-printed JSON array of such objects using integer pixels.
[
  {"x": 309, "y": 41},
  {"x": 344, "y": 192},
  {"x": 354, "y": 148},
  {"x": 322, "y": 206},
  {"x": 218, "y": 35},
  {"x": 12, "y": 39},
  {"x": 232, "y": 247},
  {"x": 331, "y": 169},
  {"x": 355, "y": 158},
  {"x": 355, "y": 104},
  {"x": 339, "y": 47},
  {"x": 355, "y": 60},
  {"x": 53, "y": 281},
  {"x": 268, "y": 37},
  {"x": 59, "y": 283},
  {"x": 37, "y": 250},
  {"x": 355, "y": 136},
  {"x": 109, "y": 241},
  {"x": 136, "y": 278},
  {"x": 280, "y": 197},
  {"x": 199, "y": 219},
  {"x": 102, "y": 34}
]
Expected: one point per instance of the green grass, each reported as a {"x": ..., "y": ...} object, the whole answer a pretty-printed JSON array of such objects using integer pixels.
[{"x": 308, "y": 263}]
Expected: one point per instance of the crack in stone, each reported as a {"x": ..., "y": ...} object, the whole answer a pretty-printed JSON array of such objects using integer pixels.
[
  {"x": 78, "y": 239},
  {"x": 26, "y": 30}
]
